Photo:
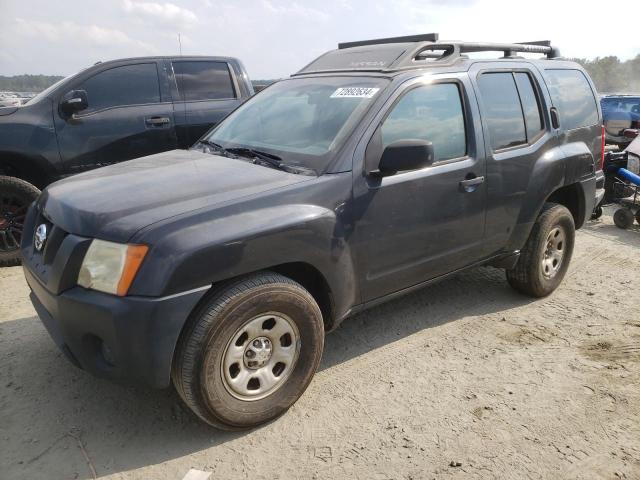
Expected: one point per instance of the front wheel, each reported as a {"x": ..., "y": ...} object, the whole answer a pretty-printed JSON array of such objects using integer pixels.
[
  {"x": 545, "y": 258},
  {"x": 15, "y": 197},
  {"x": 249, "y": 352}
]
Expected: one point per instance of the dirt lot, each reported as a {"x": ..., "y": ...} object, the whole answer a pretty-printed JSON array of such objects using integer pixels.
[{"x": 465, "y": 379}]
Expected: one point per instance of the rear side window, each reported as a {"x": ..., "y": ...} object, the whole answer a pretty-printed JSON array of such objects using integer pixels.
[
  {"x": 203, "y": 80},
  {"x": 432, "y": 113},
  {"x": 120, "y": 86},
  {"x": 502, "y": 111},
  {"x": 573, "y": 97}
]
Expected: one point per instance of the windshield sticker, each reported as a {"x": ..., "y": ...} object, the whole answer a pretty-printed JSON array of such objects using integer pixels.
[{"x": 354, "y": 92}]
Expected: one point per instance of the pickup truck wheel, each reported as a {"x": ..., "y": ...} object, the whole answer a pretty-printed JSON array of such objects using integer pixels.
[
  {"x": 249, "y": 352},
  {"x": 545, "y": 258},
  {"x": 15, "y": 197}
]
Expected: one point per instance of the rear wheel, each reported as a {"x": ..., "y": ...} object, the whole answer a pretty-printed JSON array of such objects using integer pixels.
[
  {"x": 545, "y": 258},
  {"x": 623, "y": 218},
  {"x": 249, "y": 352},
  {"x": 15, "y": 197}
]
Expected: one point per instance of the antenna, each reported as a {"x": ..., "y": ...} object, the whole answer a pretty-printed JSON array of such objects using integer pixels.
[{"x": 180, "y": 44}]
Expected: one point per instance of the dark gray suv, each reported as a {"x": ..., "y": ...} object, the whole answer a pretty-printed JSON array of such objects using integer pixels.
[{"x": 377, "y": 169}]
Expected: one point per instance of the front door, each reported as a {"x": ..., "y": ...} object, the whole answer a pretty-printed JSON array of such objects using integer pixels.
[
  {"x": 127, "y": 117},
  {"x": 414, "y": 226}
]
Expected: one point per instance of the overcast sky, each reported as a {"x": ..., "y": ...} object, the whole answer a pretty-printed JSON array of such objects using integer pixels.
[{"x": 275, "y": 38}]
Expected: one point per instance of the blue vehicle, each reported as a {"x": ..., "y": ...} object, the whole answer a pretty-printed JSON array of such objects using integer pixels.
[{"x": 619, "y": 114}]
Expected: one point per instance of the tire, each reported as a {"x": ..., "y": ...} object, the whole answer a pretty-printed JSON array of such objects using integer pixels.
[
  {"x": 623, "y": 218},
  {"x": 203, "y": 365},
  {"x": 545, "y": 258},
  {"x": 638, "y": 216},
  {"x": 597, "y": 213},
  {"x": 15, "y": 197}
]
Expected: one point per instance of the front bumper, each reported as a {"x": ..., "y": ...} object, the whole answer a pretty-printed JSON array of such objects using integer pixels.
[{"x": 140, "y": 333}]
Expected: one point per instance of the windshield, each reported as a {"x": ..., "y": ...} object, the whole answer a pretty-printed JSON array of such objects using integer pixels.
[{"x": 303, "y": 120}]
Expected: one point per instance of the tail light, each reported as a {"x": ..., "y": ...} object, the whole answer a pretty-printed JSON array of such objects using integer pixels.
[{"x": 602, "y": 144}]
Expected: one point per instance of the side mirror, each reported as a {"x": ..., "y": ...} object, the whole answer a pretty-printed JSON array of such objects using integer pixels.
[
  {"x": 74, "y": 101},
  {"x": 404, "y": 155}
]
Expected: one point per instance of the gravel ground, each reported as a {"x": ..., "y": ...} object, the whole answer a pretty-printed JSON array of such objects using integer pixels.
[{"x": 465, "y": 379}]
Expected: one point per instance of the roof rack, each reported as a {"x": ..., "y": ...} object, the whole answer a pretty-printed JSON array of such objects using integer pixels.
[
  {"x": 400, "y": 53},
  {"x": 426, "y": 37}
]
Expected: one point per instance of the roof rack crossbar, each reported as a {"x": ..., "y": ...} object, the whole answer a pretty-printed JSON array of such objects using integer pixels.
[
  {"x": 543, "y": 47},
  {"x": 426, "y": 37}
]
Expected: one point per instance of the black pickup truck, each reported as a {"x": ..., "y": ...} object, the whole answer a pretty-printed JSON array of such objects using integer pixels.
[
  {"x": 110, "y": 112},
  {"x": 378, "y": 168}
]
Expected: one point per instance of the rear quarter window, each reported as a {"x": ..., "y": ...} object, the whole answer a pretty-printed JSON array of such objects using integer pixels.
[{"x": 573, "y": 97}]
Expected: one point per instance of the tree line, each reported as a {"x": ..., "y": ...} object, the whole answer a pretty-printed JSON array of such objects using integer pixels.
[
  {"x": 610, "y": 74},
  {"x": 27, "y": 83}
]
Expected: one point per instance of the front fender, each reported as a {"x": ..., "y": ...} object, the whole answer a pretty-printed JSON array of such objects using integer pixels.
[{"x": 202, "y": 252}]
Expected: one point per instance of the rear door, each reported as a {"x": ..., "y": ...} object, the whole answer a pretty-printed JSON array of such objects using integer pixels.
[
  {"x": 129, "y": 116},
  {"x": 205, "y": 91},
  {"x": 517, "y": 133}
]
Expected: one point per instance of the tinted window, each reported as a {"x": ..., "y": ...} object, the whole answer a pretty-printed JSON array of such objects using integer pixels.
[
  {"x": 203, "y": 80},
  {"x": 127, "y": 85},
  {"x": 502, "y": 112},
  {"x": 530, "y": 105},
  {"x": 573, "y": 97},
  {"x": 432, "y": 113}
]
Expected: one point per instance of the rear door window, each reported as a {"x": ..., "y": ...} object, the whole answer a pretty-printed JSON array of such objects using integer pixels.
[
  {"x": 121, "y": 86},
  {"x": 203, "y": 80},
  {"x": 572, "y": 96},
  {"x": 530, "y": 105},
  {"x": 502, "y": 110},
  {"x": 433, "y": 113}
]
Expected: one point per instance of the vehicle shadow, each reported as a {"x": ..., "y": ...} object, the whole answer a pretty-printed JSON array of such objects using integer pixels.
[
  {"x": 605, "y": 227},
  {"x": 53, "y": 414}
]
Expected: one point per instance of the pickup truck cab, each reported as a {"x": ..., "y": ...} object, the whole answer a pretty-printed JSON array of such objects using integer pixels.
[
  {"x": 377, "y": 169},
  {"x": 108, "y": 113}
]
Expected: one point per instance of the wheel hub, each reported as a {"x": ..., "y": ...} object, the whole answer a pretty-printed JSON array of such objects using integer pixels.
[
  {"x": 260, "y": 356},
  {"x": 553, "y": 253},
  {"x": 258, "y": 353}
]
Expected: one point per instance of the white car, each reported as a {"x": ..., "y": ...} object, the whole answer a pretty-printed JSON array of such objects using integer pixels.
[{"x": 9, "y": 100}]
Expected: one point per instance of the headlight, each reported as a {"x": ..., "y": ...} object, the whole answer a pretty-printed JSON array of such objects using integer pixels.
[{"x": 111, "y": 267}]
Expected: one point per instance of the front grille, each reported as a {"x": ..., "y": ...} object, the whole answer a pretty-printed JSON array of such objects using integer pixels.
[{"x": 56, "y": 265}]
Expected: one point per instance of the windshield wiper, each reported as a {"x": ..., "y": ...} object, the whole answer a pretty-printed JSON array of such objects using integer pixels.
[
  {"x": 273, "y": 160},
  {"x": 214, "y": 145}
]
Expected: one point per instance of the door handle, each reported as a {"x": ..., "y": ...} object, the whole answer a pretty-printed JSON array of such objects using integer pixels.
[
  {"x": 471, "y": 184},
  {"x": 157, "y": 121},
  {"x": 555, "y": 118}
]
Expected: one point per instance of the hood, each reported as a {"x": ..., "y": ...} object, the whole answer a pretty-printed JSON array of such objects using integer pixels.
[
  {"x": 7, "y": 110},
  {"x": 114, "y": 202}
]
